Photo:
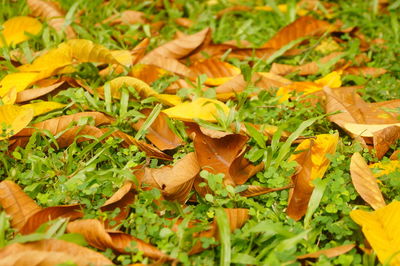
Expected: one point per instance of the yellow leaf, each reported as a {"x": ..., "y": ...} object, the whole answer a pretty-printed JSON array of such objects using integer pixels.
[
  {"x": 382, "y": 230},
  {"x": 124, "y": 57},
  {"x": 332, "y": 80},
  {"x": 328, "y": 46},
  {"x": 13, "y": 119},
  {"x": 43, "y": 107},
  {"x": 10, "y": 97},
  {"x": 141, "y": 87},
  {"x": 201, "y": 108},
  {"x": 87, "y": 51},
  {"x": 18, "y": 81},
  {"x": 217, "y": 81},
  {"x": 321, "y": 145},
  {"x": 385, "y": 168},
  {"x": 169, "y": 99},
  {"x": 15, "y": 29}
]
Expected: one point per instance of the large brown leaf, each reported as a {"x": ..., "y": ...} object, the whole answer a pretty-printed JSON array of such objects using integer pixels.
[
  {"x": 302, "y": 27},
  {"x": 16, "y": 203},
  {"x": 365, "y": 71},
  {"x": 52, "y": 13},
  {"x": 97, "y": 236},
  {"x": 384, "y": 138},
  {"x": 71, "y": 212},
  {"x": 365, "y": 182},
  {"x": 50, "y": 252},
  {"x": 174, "y": 181},
  {"x": 178, "y": 48},
  {"x": 121, "y": 199},
  {"x": 159, "y": 133},
  {"x": 170, "y": 64},
  {"x": 216, "y": 155},
  {"x": 27, "y": 95},
  {"x": 218, "y": 72}
]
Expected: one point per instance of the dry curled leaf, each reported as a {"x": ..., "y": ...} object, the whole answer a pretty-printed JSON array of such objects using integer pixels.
[
  {"x": 365, "y": 182},
  {"x": 176, "y": 49},
  {"x": 52, "y": 13},
  {"x": 97, "y": 236},
  {"x": 159, "y": 133},
  {"x": 16, "y": 203},
  {"x": 253, "y": 190},
  {"x": 175, "y": 181},
  {"x": 302, "y": 27},
  {"x": 121, "y": 199},
  {"x": 330, "y": 252},
  {"x": 50, "y": 252},
  {"x": 384, "y": 138}
]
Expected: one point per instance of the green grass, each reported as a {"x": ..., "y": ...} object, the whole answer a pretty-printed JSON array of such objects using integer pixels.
[{"x": 90, "y": 172}]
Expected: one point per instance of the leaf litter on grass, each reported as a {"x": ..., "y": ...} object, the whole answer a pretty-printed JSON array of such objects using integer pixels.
[{"x": 193, "y": 133}]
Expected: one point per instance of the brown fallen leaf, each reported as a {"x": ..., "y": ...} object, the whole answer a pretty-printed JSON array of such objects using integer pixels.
[
  {"x": 148, "y": 73},
  {"x": 150, "y": 150},
  {"x": 97, "y": 236},
  {"x": 302, "y": 27},
  {"x": 184, "y": 22},
  {"x": 329, "y": 252},
  {"x": 303, "y": 70},
  {"x": 121, "y": 199},
  {"x": 218, "y": 72},
  {"x": 159, "y": 133},
  {"x": 242, "y": 169},
  {"x": 253, "y": 190},
  {"x": 237, "y": 218},
  {"x": 52, "y": 13},
  {"x": 395, "y": 155},
  {"x": 365, "y": 71},
  {"x": 16, "y": 204},
  {"x": 179, "y": 48},
  {"x": 216, "y": 155},
  {"x": 176, "y": 181},
  {"x": 139, "y": 51},
  {"x": 127, "y": 17},
  {"x": 365, "y": 182},
  {"x": 171, "y": 65},
  {"x": 50, "y": 252},
  {"x": 311, "y": 157},
  {"x": 384, "y": 138},
  {"x": 71, "y": 212},
  {"x": 30, "y": 94}
]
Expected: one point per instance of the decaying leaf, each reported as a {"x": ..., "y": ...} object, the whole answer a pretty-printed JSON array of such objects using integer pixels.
[
  {"x": 121, "y": 199},
  {"x": 50, "y": 252},
  {"x": 176, "y": 181},
  {"x": 382, "y": 231},
  {"x": 217, "y": 72},
  {"x": 384, "y": 138},
  {"x": 330, "y": 252},
  {"x": 159, "y": 133},
  {"x": 302, "y": 27},
  {"x": 311, "y": 157},
  {"x": 42, "y": 216},
  {"x": 178, "y": 48},
  {"x": 97, "y": 236},
  {"x": 31, "y": 94},
  {"x": 53, "y": 14},
  {"x": 253, "y": 190},
  {"x": 16, "y": 203},
  {"x": 365, "y": 182}
]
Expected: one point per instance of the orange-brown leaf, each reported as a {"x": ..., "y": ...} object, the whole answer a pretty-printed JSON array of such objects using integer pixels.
[
  {"x": 52, "y": 12},
  {"x": 179, "y": 48},
  {"x": 302, "y": 27},
  {"x": 253, "y": 190},
  {"x": 384, "y": 138},
  {"x": 50, "y": 252},
  {"x": 330, "y": 252},
  {"x": 177, "y": 181},
  {"x": 27, "y": 95},
  {"x": 97, "y": 236},
  {"x": 159, "y": 132},
  {"x": 72, "y": 212},
  {"x": 365, "y": 182},
  {"x": 16, "y": 203}
]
